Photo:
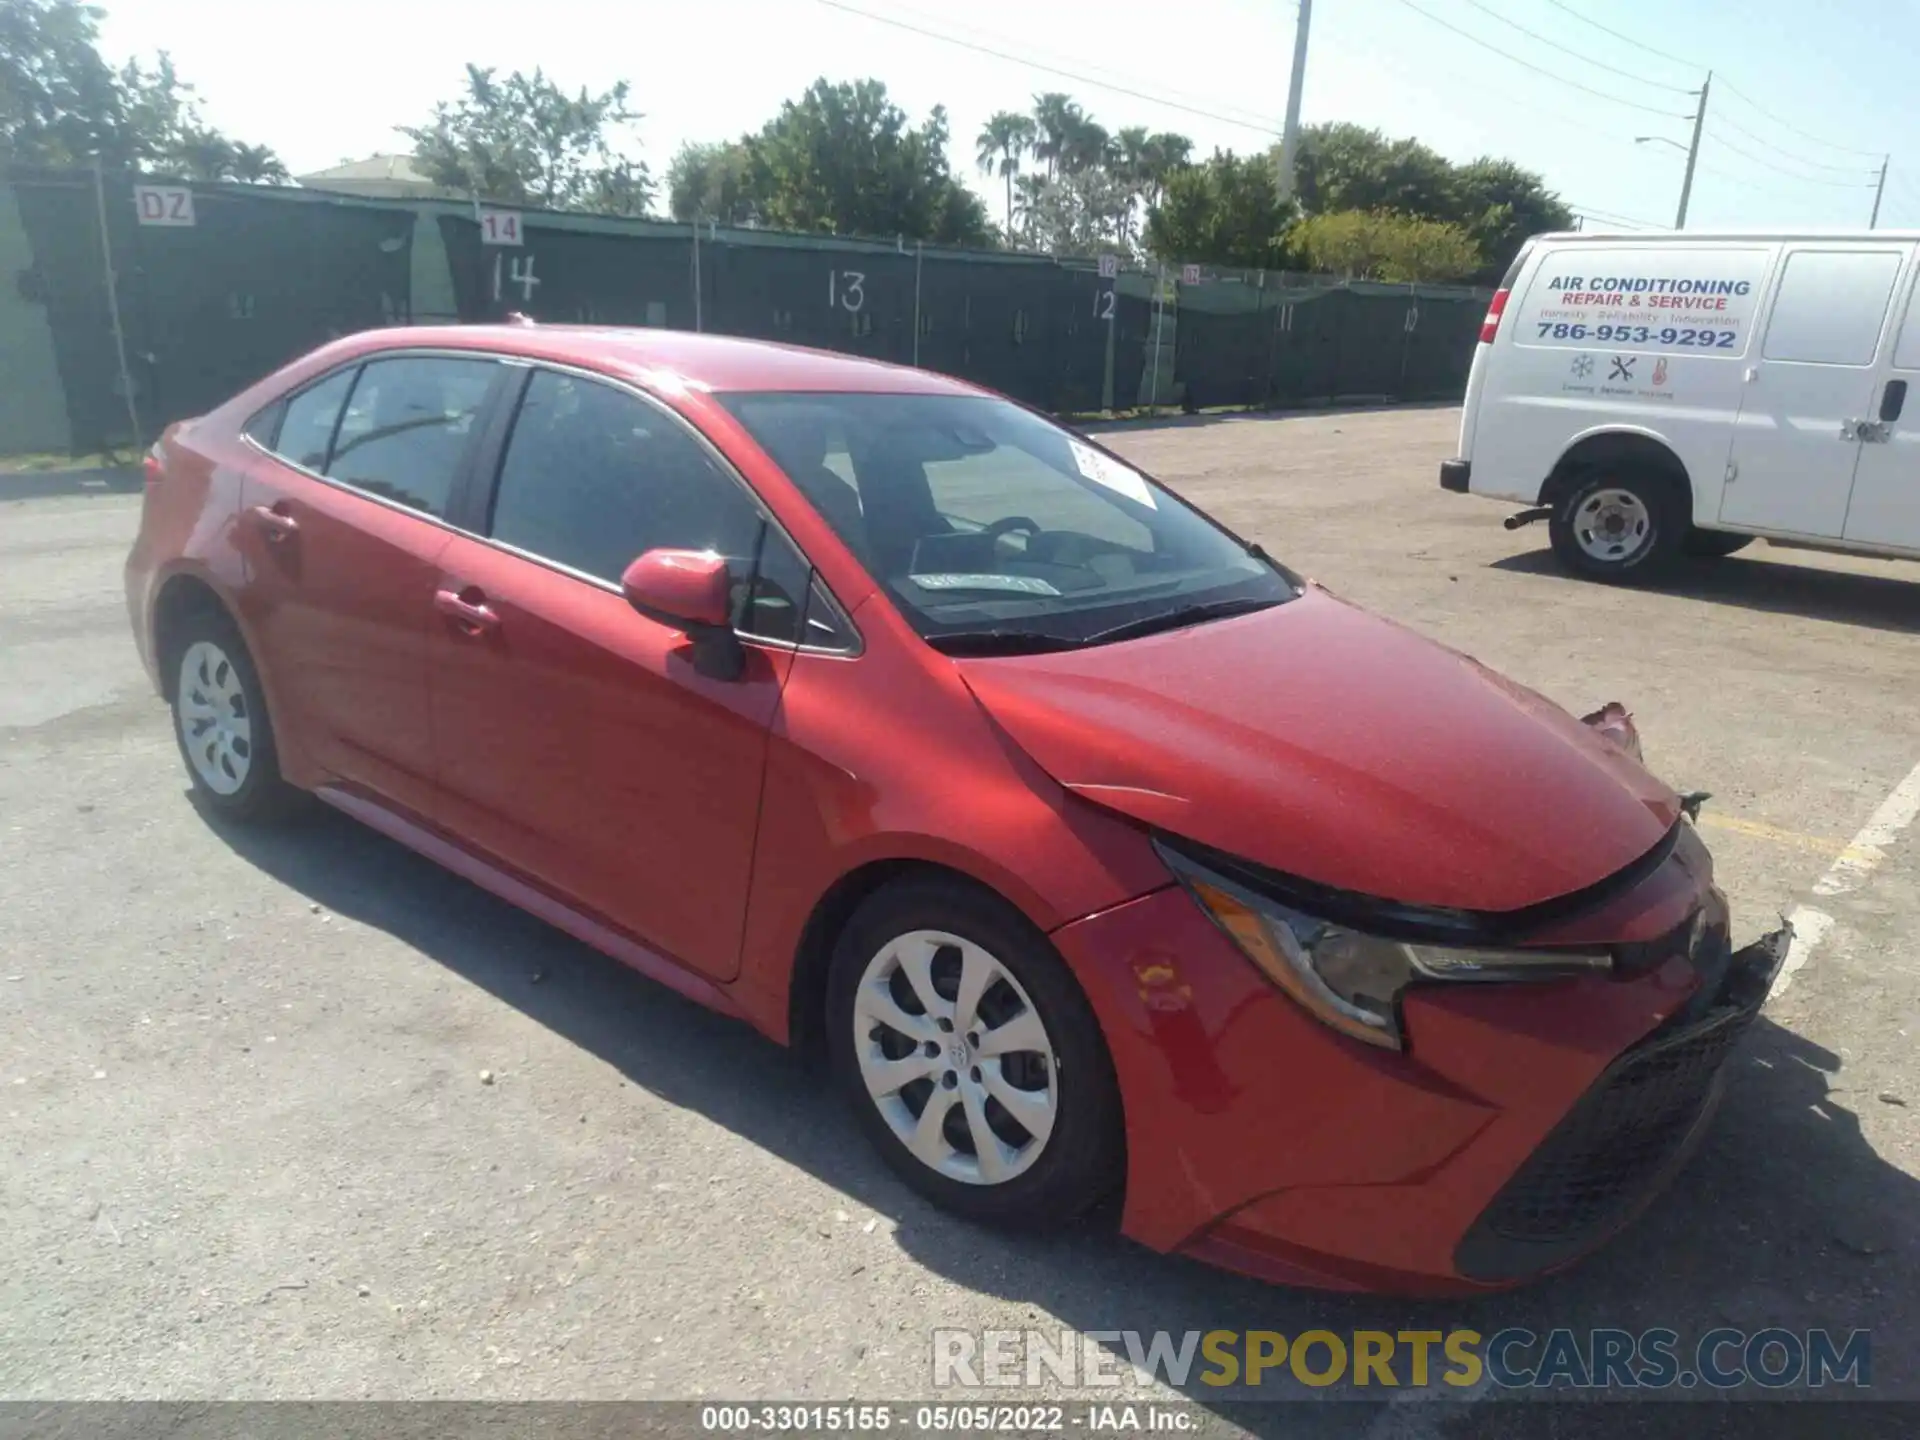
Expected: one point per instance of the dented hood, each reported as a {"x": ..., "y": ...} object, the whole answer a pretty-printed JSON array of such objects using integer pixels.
[{"x": 1336, "y": 746}]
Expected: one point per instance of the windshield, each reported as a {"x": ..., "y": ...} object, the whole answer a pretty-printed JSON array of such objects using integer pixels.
[{"x": 986, "y": 523}]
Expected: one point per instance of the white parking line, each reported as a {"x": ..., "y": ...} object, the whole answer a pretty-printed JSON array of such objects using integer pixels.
[{"x": 1849, "y": 872}]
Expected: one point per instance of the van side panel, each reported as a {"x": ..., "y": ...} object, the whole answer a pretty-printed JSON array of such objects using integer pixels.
[{"x": 1613, "y": 334}]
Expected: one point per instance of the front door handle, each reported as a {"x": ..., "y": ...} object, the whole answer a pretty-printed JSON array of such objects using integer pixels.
[
  {"x": 276, "y": 525},
  {"x": 468, "y": 609}
]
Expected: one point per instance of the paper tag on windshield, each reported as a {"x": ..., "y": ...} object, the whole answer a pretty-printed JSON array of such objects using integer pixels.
[{"x": 1103, "y": 470}]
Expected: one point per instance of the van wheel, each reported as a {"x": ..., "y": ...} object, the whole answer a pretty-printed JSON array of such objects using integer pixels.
[
  {"x": 1714, "y": 544},
  {"x": 1617, "y": 527}
]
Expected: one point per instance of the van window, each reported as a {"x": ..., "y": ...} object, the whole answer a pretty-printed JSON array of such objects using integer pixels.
[
  {"x": 1906, "y": 354},
  {"x": 1689, "y": 299},
  {"x": 1830, "y": 306}
]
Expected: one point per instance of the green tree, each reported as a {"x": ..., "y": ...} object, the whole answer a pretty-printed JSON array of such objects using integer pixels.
[
  {"x": 710, "y": 182},
  {"x": 1349, "y": 167},
  {"x": 526, "y": 141},
  {"x": 1001, "y": 146},
  {"x": 845, "y": 159},
  {"x": 1227, "y": 211},
  {"x": 61, "y": 104},
  {"x": 1056, "y": 118},
  {"x": 1383, "y": 245},
  {"x": 1501, "y": 204}
]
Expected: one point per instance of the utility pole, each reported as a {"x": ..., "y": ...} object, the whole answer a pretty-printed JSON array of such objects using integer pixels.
[
  {"x": 1693, "y": 153},
  {"x": 1879, "y": 190},
  {"x": 1290, "y": 137}
]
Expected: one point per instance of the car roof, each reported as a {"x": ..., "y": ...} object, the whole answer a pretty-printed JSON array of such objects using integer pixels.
[{"x": 672, "y": 358}]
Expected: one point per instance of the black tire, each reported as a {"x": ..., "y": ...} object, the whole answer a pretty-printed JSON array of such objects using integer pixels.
[
  {"x": 261, "y": 794},
  {"x": 1082, "y": 1160},
  {"x": 1714, "y": 544},
  {"x": 1642, "y": 554}
]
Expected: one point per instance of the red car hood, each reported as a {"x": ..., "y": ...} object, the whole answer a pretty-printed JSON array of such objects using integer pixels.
[{"x": 1338, "y": 747}]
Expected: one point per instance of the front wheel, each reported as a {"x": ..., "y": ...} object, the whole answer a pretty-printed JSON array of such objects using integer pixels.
[
  {"x": 971, "y": 1057},
  {"x": 1617, "y": 526}
]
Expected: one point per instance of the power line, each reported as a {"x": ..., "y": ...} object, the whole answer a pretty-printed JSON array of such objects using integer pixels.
[
  {"x": 1587, "y": 60},
  {"x": 1524, "y": 64},
  {"x": 1612, "y": 218},
  {"x": 1253, "y": 119},
  {"x": 1720, "y": 119},
  {"x": 1534, "y": 110},
  {"x": 1727, "y": 84},
  {"x": 1792, "y": 174},
  {"x": 1031, "y": 64},
  {"x": 1632, "y": 40},
  {"x": 1785, "y": 125}
]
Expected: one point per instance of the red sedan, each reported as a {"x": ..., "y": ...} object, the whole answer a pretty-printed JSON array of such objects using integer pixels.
[{"x": 1102, "y": 851}]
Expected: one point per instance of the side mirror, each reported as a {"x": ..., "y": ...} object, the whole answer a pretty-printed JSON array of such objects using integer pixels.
[{"x": 690, "y": 590}]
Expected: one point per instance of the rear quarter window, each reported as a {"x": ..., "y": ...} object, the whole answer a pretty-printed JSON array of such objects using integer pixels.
[{"x": 1683, "y": 300}]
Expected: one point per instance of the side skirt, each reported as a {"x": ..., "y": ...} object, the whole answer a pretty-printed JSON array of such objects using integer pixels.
[{"x": 535, "y": 901}]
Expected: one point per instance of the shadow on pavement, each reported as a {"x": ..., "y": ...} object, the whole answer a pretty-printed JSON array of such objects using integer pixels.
[
  {"x": 1786, "y": 1217},
  {"x": 1877, "y": 602}
]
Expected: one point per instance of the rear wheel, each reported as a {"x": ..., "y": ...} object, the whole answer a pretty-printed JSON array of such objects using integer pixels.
[
  {"x": 1618, "y": 525},
  {"x": 974, "y": 1063},
  {"x": 221, "y": 724}
]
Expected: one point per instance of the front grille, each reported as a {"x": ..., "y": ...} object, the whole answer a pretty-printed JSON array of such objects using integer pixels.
[
  {"x": 1618, "y": 1139},
  {"x": 1608, "y": 1153}
]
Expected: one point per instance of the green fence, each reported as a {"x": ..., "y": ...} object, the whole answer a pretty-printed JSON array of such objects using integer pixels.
[{"x": 122, "y": 310}]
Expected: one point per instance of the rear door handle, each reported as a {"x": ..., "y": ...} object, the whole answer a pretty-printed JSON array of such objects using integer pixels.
[
  {"x": 468, "y": 609},
  {"x": 275, "y": 524},
  {"x": 1892, "y": 399}
]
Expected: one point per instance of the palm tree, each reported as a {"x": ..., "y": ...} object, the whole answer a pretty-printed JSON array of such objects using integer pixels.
[
  {"x": 1166, "y": 153},
  {"x": 1085, "y": 147},
  {"x": 1132, "y": 169},
  {"x": 1055, "y": 117},
  {"x": 1002, "y": 144}
]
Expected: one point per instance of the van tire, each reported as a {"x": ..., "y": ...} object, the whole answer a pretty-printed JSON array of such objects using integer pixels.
[
  {"x": 1714, "y": 544},
  {"x": 1619, "y": 526}
]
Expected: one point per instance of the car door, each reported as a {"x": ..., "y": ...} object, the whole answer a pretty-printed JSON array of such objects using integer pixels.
[
  {"x": 576, "y": 741},
  {"x": 342, "y": 524},
  {"x": 1795, "y": 442},
  {"x": 1886, "y": 486}
]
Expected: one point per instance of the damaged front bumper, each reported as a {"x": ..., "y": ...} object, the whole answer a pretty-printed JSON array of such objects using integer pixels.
[{"x": 1633, "y": 1130}]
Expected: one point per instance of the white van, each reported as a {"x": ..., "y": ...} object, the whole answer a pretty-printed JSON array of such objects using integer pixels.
[{"x": 1658, "y": 395}]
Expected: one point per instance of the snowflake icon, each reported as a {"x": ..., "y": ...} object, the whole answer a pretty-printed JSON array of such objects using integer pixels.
[{"x": 1582, "y": 366}]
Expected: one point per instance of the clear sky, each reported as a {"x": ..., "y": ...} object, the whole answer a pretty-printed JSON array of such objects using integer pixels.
[{"x": 1817, "y": 80}]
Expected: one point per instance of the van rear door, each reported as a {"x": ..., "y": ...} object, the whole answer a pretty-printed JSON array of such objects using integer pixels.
[{"x": 1808, "y": 387}]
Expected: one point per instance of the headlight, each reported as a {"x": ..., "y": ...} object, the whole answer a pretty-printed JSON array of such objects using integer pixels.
[{"x": 1344, "y": 977}]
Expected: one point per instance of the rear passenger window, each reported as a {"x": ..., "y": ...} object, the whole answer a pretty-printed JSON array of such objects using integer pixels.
[
  {"x": 307, "y": 427},
  {"x": 407, "y": 426},
  {"x": 1831, "y": 305}
]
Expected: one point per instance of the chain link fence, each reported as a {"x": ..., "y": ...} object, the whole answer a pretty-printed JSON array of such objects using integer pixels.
[{"x": 128, "y": 303}]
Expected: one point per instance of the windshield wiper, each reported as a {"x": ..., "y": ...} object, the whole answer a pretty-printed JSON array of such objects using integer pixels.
[
  {"x": 1000, "y": 642},
  {"x": 1179, "y": 617}
]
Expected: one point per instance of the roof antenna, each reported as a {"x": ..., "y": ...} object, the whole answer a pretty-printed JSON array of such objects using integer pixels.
[{"x": 517, "y": 317}]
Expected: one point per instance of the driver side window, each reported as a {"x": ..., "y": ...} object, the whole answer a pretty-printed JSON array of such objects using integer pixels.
[{"x": 593, "y": 477}]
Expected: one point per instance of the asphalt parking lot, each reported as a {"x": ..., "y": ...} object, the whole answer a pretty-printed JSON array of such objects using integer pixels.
[{"x": 246, "y": 1150}]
